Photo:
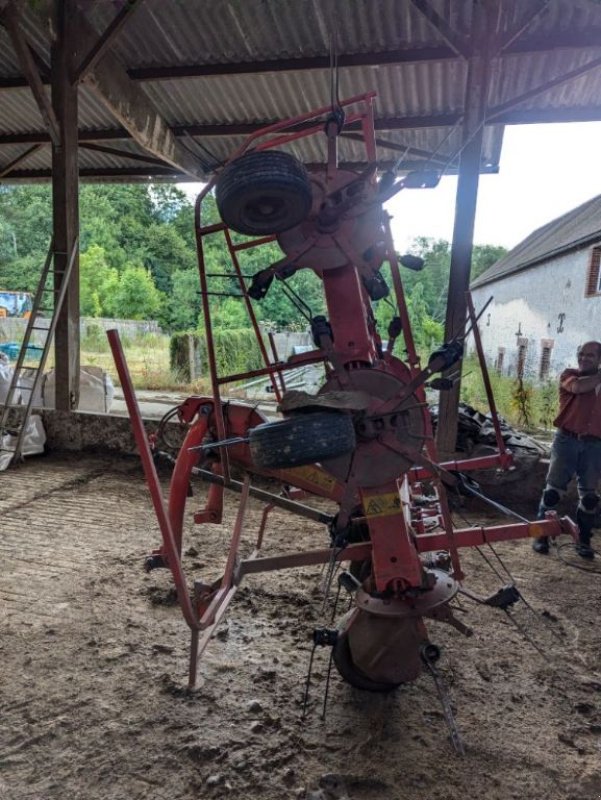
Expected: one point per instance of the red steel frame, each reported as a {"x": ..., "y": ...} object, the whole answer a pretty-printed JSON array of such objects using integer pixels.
[{"x": 395, "y": 544}]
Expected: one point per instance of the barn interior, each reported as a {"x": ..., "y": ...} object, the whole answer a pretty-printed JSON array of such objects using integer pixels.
[{"x": 93, "y": 649}]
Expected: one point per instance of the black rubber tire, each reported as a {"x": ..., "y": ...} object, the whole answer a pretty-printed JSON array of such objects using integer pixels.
[
  {"x": 343, "y": 660},
  {"x": 302, "y": 439},
  {"x": 263, "y": 192}
]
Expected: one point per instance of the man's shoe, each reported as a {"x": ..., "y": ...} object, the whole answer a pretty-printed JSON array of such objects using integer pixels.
[
  {"x": 541, "y": 545},
  {"x": 585, "y": 551}
]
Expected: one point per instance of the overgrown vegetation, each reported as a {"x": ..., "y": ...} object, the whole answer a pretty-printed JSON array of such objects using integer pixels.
[
  {"x": 138, "y": 261},
  {"x": 522, "y": 402}
]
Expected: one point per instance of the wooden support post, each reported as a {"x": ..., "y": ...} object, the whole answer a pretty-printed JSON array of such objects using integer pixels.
[
  {"x": 65, "y": 208},
  {"x": 465, "y": 213}
]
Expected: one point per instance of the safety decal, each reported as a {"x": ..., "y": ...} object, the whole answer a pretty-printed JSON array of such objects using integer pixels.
[
  {"x": 382, "y": 505},
  {"x": 313, "y": 475}
]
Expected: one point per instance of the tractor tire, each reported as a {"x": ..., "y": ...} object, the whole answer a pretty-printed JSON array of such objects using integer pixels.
[
  {"x": 302, "y": 439},
  {"x": 343, "y": 660},
  {"x": 263, "y": 192}
]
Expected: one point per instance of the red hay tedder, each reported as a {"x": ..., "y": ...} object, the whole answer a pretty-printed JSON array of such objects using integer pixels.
[{"x": 364, "y": 441}]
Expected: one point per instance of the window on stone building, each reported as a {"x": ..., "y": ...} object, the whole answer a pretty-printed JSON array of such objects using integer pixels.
[
  {"x": 499, "y": 360},
  {"x": 521, "y": 362},
  {"x": 593, "y": 283},
  {"x": 545, "y": 359}
]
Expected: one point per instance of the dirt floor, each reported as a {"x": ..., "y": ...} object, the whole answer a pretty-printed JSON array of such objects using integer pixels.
[{"x": 94, "y": 660}]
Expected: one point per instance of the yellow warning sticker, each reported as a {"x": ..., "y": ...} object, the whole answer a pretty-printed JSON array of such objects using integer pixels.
[
  {"x": 382, "y": 505},
  {"x": 312, "y": 475}
]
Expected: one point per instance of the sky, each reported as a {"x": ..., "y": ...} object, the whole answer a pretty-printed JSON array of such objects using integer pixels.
[{"x": 545, "y": 171}]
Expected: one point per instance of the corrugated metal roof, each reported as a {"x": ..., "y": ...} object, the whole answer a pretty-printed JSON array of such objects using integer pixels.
[
  {"x": 426, "y": 87},
  {"x": 574, "y": 229}
]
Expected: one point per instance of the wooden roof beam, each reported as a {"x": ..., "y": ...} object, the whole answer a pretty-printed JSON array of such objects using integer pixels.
[
  {"x": 235, "y": 129},
  {"x": 169, "y": 174},
  {"x": 505, "y": 39},
  {"x": 107, "y": 38},
  {"x": 497, "y": 111},
  {"x": 530, "y": 116},
  {"x": 6, "y": 170},
  {"x": 456, "y": 41},
  {"x": 518, "y": 46},
  {"x": 10, "y": 18},
  {"x": 132, "y": 108},
  {"x": 115, "y": 151}
]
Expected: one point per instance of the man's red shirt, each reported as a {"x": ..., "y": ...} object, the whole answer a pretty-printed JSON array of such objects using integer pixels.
[{"x": 578, "y": 413}]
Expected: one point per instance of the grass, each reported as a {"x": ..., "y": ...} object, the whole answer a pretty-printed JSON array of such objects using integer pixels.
[
  {"x": 147, "y": 357},
  {"x": 531, "y": 405}
]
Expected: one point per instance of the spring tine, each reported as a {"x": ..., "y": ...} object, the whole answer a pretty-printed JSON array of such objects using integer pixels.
[
  {"x": 525, "y": 634},
  {"x": 327, "y": 688},
  {"x": 308, "y": 681},
  {"x": 445, "y": 701}
]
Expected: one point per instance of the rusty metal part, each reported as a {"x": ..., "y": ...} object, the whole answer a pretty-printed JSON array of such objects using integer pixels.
[
  {"x": 384, "y": 650},
  {"x": 373, "y": 462},
  {"x": 295, "y": 400},
  {"x": 342, "y": 212},
  {"x": 415, "y": 603},
  {"x": 384, "y": 635}
]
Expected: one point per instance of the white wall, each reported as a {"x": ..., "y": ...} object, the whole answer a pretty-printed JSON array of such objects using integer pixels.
[{"x": 531, "y": 302}]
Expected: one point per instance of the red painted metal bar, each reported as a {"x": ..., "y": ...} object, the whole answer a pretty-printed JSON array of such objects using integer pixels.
[
  {"x": 412, "y": 356},
  {"x": 180, "y": 479},
  {"x": 288, "y": 123},
  {"x": 348, "y": 314},
  {"x": 354, "y": 552},
  {"x": 396, "y": 564},
  {"x": 261, "y": 532},
  {"x": 228, "y": 575},
  {"x": 483, "y": 462},
  {"x": 450, "y": 533},
  {"x": 276, "y": 360},
  {"x": 474, "y": 537},
  {"x": 294, "y": 361},
  {"x": 425, "y": 543},
  {"x": 212, "y": 358},
  {"x": 251, "y": 313},
  {"x": 485, "y": 376},
  {"x": 218, "y": 226},
  {"x": 152, "y": 479},
  {"x": 254, "y": 243}
]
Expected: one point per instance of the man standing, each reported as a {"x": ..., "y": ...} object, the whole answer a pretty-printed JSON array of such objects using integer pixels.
[{"x": 576, "y": 447}]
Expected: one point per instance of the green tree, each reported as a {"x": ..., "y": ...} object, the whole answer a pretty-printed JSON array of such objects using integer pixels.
[
  {"x": 165, "y": 252},
  {"x": 484, "y": 256},
  {"x": 137, "y": 297},
  {"x": 98, "y": 283},
  {"x": 183, "y": 305}
]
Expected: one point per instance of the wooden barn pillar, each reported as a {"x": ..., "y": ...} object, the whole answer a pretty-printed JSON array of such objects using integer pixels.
[
  {"x": 465, "y": 214},
  {"x": 65, "y": 201}
]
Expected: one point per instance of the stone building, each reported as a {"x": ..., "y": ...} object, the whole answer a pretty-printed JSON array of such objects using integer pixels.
[{"x": 546, "y": 296}]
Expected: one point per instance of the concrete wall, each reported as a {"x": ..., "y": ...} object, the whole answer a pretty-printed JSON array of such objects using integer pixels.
[
  {"x": 13, "y": 330},
  {"x": 529, "y": 305}
]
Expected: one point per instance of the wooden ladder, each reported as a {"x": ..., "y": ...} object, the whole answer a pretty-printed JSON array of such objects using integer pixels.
[{"x": 48, "y": 302}]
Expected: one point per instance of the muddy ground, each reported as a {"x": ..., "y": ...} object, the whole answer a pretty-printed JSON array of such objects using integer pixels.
[{"x": 94, "y": 661}]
